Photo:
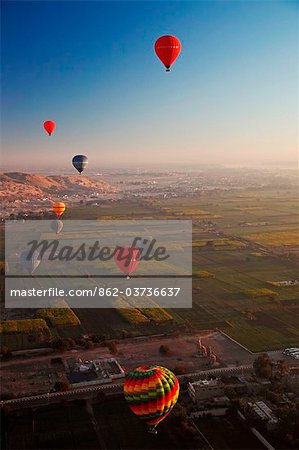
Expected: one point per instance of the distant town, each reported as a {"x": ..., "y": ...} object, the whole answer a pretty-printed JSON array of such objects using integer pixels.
[{"x": 26, "y": 195}]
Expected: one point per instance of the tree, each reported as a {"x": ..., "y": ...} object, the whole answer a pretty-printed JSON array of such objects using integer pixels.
[
  {"x": 282, "y": 367},
  {"x": 272, "y": 396},
  {"x": 5, "y": 352},
  {"x": 230, "y": 392},
  {"x": 263, "y": 366},
  {"x": 164, "y": 350},
  {"x": 63, "y": 344},
  {"x": 288, "y": 425},
  {"x": 62, "y": 385},
  {"x": 97, "y": 338},
  {"x": 89, "y": 345},
  {"x": 112, "y": 347},
  {"x": 179, "y": 370}
]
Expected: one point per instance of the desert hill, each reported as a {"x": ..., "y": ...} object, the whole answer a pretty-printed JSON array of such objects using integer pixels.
[{"x": 22, "y": 186}]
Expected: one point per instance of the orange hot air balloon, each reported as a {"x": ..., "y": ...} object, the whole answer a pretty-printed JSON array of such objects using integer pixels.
[
  {"x": 49, "y": 126},
  {"x": 59, "y": 209},
  {"x": 167, "y": 49}
]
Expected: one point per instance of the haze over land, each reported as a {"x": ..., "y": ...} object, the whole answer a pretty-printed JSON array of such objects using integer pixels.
[{"x": 30, "y": 192}]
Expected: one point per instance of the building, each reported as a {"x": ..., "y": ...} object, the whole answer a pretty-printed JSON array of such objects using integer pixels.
[
  {"x": 205, "y": 389},
  {"x": 262, "y": 410},
  {"x": 93, "y": 371},
  {"x": 208, "y": 389},
  {"x": 216, "y": 407}
]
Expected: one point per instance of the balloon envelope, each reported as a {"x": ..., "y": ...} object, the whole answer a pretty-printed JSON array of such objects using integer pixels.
[
  {"x": 59, "y": 208},
  {"x": 151, "y": 392},
  {"x": 56, "y": 226},
  {"x": 80, "y": 162},
  {"x": 30, "y": 263},
  {"x": 167, "y": 49},
  {"x": 127, "y": 259},
  {"x": 49, "y": 126}
]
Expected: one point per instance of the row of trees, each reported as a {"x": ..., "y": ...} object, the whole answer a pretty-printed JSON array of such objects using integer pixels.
[{"x": 265, "y": 367}]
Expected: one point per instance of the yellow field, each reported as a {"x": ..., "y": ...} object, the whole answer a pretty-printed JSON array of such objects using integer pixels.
[
  {"x": 133, "y": 316},
  {"x": 189, "y": 211},
  {"x": 153, "y": 311},
  {"x": 23, "y": 326},
  {"x": 194, "y": 213},
  {"x": 275, "y": 239},
  {"x": 220, "y": 243},
  {"x": 263, "y": 292},
  {"x": 63, "y": 315},
  {"x": 203, "y": 274}
]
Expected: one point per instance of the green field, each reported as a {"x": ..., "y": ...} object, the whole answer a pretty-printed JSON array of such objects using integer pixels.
[
  {"x": 221, "y": 300},
  {"x": 233, "y": 239}
]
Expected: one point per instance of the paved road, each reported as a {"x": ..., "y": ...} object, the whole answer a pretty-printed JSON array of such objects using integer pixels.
[{"x": 101, "y": 351}]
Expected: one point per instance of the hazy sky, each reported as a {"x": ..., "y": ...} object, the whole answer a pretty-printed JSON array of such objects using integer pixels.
[{"x": 90, "y": 66}]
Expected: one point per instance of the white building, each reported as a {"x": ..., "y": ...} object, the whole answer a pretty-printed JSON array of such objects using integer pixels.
[{"x": 205, "y": 389}]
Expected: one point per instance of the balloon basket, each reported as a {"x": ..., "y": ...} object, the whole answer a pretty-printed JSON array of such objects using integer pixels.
[
  {"x": 128, "y": 277},
  {"x": 152, "y": 430}
]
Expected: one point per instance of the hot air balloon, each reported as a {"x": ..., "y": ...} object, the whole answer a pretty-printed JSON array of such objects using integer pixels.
[
  {"x": 167, "y": 49},
  {"x": 59, "y": 209},
  {"x": 49, "y": 126},
  {"x": 151, "y": 392},
  {"x": 80, "y": 162},
  {"x": 56, "y": 226},
  {"x": 30, "y": 263},
  {"x": 127, "y": 259}
]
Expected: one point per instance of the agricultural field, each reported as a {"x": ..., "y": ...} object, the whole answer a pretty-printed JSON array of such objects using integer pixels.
[
  {"x": 231, "y": 278},
  {"x": 24, "y": 333},
  {"x": 23, "y": 326},
  {"x": 275, "y": 238},
  {"x": 62, "y": 315},
  {"x": 242, "y": 242},
  {"x": 121, "y": 210},
  {"x": 242, "y": 212}
]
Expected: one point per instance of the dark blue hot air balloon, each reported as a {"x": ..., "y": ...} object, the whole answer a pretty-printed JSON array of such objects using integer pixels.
[{"x": 80, "y": 162}]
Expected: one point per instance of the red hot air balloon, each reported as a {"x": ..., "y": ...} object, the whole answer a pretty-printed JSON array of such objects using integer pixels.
[
  {"x": 127, "y": 259},
  {"x": 167, "y": 49},
  {"x": 49, "y": 126}
]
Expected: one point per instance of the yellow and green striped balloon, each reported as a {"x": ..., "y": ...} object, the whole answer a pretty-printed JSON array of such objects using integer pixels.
[{"x": 151, "y": 392}]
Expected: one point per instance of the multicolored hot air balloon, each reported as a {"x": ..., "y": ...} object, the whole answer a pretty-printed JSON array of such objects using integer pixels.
[
  {"x": 151, "y": 392},
  {"x": 167, "y": 49},
  {"x": 127, "y": 259},
  {"x": 80, "y": 162},
  {"x": 59, "y": 209},
  {"x": 49, "y": 126},
  {"x": 30, "y": 262},
  {"x": 56, "y": 225}
]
